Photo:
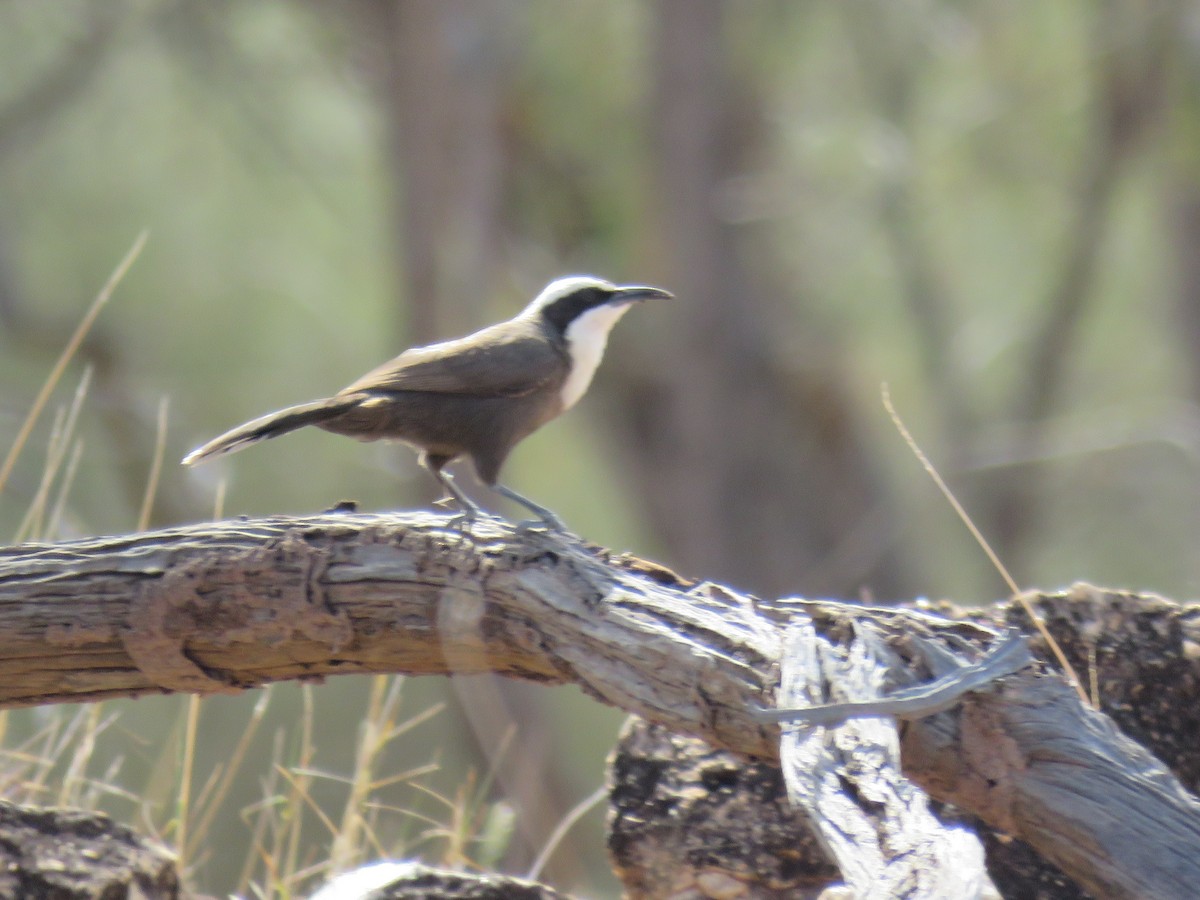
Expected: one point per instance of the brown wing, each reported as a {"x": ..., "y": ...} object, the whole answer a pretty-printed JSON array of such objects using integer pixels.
[{"x": 495, "y": 362}]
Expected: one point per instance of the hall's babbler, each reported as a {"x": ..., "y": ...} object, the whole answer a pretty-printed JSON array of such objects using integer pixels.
[{"x": 477, "y": 396}]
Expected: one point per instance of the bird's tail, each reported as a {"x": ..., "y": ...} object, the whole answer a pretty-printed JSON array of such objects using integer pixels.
[{"x": 268, "y": 426}]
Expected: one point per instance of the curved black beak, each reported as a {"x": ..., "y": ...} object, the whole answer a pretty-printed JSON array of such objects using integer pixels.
[{"x": 638, "y": 292}]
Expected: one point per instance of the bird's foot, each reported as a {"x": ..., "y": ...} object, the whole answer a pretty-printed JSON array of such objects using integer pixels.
[
  {"x": 467, "y": 513},
  {"x": 462, "y": 522},
  {"x": 545, "y": 520}
]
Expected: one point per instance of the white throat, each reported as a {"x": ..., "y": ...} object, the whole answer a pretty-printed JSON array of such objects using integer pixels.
[{"x": 586, "y": 337}]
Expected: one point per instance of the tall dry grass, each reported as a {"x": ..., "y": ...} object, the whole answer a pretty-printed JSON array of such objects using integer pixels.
[{"x": 80, "y": 756}]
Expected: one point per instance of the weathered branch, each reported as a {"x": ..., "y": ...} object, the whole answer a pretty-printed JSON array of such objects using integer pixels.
[{"x": 239, "y": 604}]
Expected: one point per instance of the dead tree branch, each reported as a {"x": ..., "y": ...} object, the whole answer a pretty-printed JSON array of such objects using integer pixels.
[{"x": 238, "y": 604}]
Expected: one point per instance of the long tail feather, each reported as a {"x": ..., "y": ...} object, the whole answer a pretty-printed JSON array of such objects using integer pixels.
[{"x": 268, "y": 426}]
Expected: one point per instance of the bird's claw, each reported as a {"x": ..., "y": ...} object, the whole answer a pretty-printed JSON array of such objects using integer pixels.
[{"x": 462, "y": 522}]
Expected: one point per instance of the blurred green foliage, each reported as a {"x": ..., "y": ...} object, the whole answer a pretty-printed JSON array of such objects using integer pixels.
[{"x": 927, "y": 152}]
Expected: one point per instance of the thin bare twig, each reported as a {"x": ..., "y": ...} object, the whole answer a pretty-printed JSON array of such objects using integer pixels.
[{"x": 1068, "y": 669}]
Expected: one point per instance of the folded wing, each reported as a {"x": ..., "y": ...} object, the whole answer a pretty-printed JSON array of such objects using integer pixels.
[{"x": 494, "y": 362}]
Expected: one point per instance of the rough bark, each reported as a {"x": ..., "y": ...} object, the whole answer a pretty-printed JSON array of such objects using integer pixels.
[
  {"x": 685, "y": 815},
  {"x": 1137, "y": 652},
  {"x": 72, "y": 855},
  {"x": 412, "y": 881},
  {"x": 239, "y": 604}
]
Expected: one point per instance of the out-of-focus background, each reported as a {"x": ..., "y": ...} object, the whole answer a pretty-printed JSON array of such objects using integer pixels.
[{"x": 993, "y": 207}]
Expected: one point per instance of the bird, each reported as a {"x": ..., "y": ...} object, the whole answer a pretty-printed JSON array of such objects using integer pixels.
[{"x": 476, "y": 396}]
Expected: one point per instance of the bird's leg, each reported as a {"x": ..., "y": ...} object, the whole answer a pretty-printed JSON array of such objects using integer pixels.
[
  {"x": 469, "y": 509},
  {"x": 545, "y": 517}
]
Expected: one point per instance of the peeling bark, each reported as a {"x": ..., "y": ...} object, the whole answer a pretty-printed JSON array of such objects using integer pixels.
[{"x": 239, "y": 604}]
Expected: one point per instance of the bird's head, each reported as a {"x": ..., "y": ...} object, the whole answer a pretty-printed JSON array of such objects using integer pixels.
[
  {"x": 582, "y": 307},
  {"x": 582, "y": 310}
]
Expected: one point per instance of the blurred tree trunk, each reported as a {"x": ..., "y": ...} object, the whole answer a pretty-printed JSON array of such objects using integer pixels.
[
  {"x": 1183, "y": 205},
  {"x": 749, "y": 460},
  {"x": 1187, "y": 244},
  {"x": 440, "y": 71},
  {"x": 1187, "y": 248},
  {"x": 1130, "y": 46}
]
